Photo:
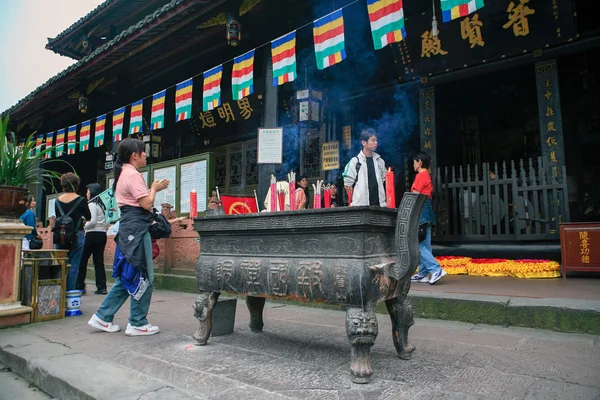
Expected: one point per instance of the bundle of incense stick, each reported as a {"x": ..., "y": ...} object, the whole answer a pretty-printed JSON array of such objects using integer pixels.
[
  {"x": 281, "y": 198},
  {"x": 292, "y": 183},
  {"x": 317, "y": 196},
  {"x": 273, "y": 193}
]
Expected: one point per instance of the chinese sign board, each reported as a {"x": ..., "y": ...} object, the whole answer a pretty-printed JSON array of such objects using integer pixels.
[
  {"x": 580, "y": 246},
  {"x": 427, "y": 119},
  {"x": 229, "y": 113},
  {"x": 330, "y": 156},
  {"x": 270, "y": 146},
  {"x": 347, "y": 137},
  {"x": 500, "y": 29},
  {"x": 550, "y": 116}
]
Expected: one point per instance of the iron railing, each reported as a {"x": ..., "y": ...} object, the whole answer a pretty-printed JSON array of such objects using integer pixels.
[{"x": 515, "y": 202}]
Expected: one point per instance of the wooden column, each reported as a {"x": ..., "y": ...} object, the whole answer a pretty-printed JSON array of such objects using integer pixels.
[
  {"x": 269, "y": 118},
  {"x": 551, "y": 132},
  {"x": 427, "y": 123}
]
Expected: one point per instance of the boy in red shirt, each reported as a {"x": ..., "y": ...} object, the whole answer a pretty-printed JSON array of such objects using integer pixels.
[{"x": 423, "y": 185}]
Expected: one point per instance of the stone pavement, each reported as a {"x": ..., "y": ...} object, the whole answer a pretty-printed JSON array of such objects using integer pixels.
[{"x": 303, "y": 353}]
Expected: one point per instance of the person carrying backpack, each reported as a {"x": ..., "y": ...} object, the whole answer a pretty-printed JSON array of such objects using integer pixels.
[
  {"x": 95, "y": 240},
  {"x": 67, "y": 234},
  {"x": 364, "y": 174}
]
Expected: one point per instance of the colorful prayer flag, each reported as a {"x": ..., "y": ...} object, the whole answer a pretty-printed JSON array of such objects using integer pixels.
[
  {"x": 242, "y": 76},
  {"x": 49, "y": 139},
  {"x": 118, "y": 118},
  {"x": 60, "y": 142},
  {"x": 157, "y": 119},
  {"x": 84, "y": 136},
  {"x": 99, "y": 131},
  {"x": 387, "y": 22},
  {"x": 211, "y": 92},
  {"x": 283, "y": 53},
  {"x": 38, "y": 143},
  {"x": 183, "y": 100},
  {"x": 72, "y": 139},
  {"x": 452, "y": 9},
  {"x": 328, "y": 34},
  {"x": 136, "y": 117}
]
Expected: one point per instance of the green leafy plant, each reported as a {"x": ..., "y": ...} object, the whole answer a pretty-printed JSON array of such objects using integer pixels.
[{"x": 22, "y": 165}]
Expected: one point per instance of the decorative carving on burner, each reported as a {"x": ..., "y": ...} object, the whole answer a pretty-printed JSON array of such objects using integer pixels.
[
  {"x": 251, "y": 270},
  {"x": 278, "y": 275},
  {"x": 310, "y": 278}
]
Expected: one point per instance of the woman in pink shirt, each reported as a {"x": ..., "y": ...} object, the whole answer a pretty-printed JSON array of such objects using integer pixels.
[{"x": 134, "y": 244}]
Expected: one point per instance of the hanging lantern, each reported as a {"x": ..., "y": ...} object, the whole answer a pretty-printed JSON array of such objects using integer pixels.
[
  {"x": 233, "y": 31},
  {"x": 83, "y": 104}
]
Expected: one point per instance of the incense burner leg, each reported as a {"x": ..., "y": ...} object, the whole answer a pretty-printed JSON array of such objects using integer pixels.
[
  {"x": 203, "y": 307},
  {"x": 362, "y": 329},
  {"x": 256, "y": 306},
  {"x": 401, "y": 314}
]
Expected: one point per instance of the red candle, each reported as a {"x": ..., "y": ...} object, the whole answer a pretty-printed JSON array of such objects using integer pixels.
[
  {"x": 349, "y": 193},
  {"x": 193, "y": 204},
  {"x": 390, "y": 190},
  {"x": 317, "y": 200}
]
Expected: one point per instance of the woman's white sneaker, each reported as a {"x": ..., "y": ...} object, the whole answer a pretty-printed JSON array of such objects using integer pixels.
[
  {"x": 141, "y": 330},
  {"x": 97, "y": 323}
]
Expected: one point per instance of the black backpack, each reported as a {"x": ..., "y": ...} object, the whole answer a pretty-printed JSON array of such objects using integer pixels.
[{"x": 65, "y": 229}]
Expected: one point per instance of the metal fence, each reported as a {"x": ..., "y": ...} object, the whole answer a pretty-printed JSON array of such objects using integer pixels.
[{"x": 522, "y": 201}]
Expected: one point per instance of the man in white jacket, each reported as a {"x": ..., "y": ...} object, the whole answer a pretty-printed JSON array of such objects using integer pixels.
[{"x": 364, "y": 174}]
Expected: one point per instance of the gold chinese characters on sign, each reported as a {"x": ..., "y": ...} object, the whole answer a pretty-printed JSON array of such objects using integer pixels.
[
  {"x": 470, "y": 28},
  {"x": 431, "y": 45},
  {"x": 584, "y": 247},
  {"x": 518, "y": 17},
  {"x": 226, "y": 114}
]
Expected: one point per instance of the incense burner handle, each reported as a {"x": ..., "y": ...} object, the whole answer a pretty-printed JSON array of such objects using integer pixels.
[{"x": 407, "y": 238}]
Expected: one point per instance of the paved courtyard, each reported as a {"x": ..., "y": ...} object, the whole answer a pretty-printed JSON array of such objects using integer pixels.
[{"x": 303, "y": 353}]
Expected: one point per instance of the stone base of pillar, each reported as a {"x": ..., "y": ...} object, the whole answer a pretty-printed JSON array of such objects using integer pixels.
[{"x": 12, "y": 232}]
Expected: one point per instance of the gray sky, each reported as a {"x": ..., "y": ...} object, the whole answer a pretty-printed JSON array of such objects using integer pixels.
[{"x": 25, "y": 26}]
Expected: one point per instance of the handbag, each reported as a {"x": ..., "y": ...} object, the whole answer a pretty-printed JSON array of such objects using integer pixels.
[
  {"x": 161, "y": 229},
  {"x": 35, "y": 243},
  {"x": 422, "y": 232}
]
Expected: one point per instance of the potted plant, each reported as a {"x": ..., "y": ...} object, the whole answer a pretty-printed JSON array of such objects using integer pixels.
[{"x": 20, "y": 166}]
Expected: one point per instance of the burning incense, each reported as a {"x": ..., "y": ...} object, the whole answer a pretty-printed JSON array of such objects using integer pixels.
[
  {"x": 292, "y": 183},
  {"x": 317, "y": 195}
]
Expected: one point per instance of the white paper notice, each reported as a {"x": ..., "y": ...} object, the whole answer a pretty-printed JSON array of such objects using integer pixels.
[
  {"x": 193, "y": 176},
  {"x": 167, "y": 195},
  {"x": 270, "y": 146}
]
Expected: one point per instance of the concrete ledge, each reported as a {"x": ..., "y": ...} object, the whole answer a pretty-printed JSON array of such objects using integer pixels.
[
  {"x": 561, "y": 315},
  {"x": 65, "y": 374}
]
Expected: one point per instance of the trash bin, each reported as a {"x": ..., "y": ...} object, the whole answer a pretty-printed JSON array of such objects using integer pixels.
[{"x": 44, "y": 281}]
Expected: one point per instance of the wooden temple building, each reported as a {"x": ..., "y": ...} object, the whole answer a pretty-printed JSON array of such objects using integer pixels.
[{"x": 506, "y": 100}]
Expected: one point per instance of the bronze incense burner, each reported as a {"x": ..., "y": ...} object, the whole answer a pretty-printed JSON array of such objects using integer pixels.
[{"x": 353, "y": 257}]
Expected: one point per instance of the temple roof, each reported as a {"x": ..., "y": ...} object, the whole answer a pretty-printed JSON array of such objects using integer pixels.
[
  {"x": 101, "y": 24},
  {"x": 173, "y": 11}
]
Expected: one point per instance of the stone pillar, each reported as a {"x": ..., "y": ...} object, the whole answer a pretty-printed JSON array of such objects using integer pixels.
[
  {"x": 12, "y": 312},
  {"x": 269, "y": 121},
  {"x": 551, "y": 133},
  {"x": 427, "y": 123}
]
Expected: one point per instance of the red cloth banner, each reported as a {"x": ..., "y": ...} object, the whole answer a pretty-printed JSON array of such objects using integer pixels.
[{"x": 238, "y": 204}]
